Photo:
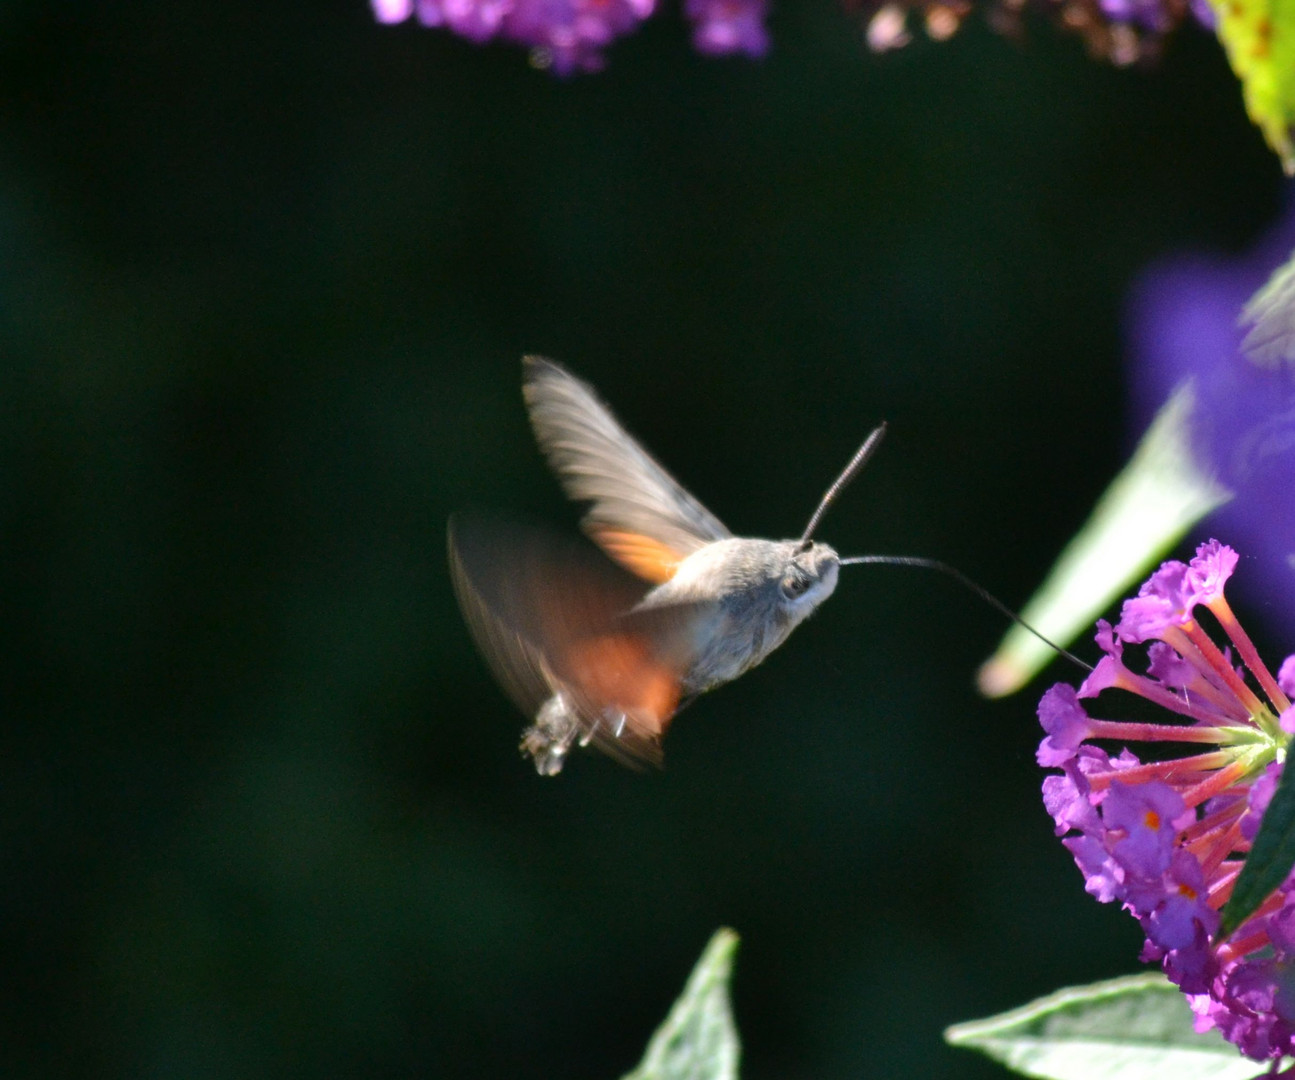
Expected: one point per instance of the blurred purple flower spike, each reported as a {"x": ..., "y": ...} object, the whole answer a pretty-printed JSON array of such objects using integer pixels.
[
  {"x": 1211, "y": 358},
  {"x": 1186, "y": 323},
  {"x": 570, "y": 35}
]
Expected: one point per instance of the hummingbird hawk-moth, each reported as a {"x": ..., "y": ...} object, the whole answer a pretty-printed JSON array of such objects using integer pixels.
[{"x": 603, "y": 645}]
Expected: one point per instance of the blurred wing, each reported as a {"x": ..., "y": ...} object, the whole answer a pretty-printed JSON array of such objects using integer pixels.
[
  {"x": 549, "y": 615},
  {"x": 641, "y": 516}
]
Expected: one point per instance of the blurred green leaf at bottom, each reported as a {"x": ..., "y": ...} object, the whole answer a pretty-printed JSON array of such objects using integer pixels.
[
  {"x": 698, "y": 1040},
  {"x": 1134, "y": 1028}
]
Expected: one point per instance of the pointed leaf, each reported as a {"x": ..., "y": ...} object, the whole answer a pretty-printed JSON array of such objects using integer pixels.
[
  {"x": 1259, "y": 36},
  {"x": 1134, "y": 1028},
  {"x": 1270, "y": 859},
  {"x": 698, "y": 1040}
]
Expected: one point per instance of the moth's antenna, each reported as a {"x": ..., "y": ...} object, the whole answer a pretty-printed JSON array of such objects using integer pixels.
[
  {"x": 857, "y": 462},
  {"x": 958, "y": 575}
]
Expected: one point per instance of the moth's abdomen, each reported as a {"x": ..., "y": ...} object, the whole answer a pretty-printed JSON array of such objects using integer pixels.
[
  {"x": 629, "y": 733},
  {"x": 548, "y": 741}
]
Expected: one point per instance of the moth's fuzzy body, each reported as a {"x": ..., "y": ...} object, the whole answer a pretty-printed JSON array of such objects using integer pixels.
[{"x": 744, "y": 610}]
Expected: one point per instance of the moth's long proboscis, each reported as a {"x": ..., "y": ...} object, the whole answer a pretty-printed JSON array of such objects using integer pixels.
[{"x": 979, "y": 590}]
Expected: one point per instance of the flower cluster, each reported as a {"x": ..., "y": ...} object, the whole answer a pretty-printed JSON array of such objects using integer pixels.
[
  {"x": 1167, "y": 838},
  {"x": 1121, "y": 31},
  {"x": 570, "y": 35}
]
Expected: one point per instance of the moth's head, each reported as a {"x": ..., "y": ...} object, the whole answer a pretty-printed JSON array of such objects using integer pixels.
[
  {"x": 788, "y": 576},
  {"x": 807, "y": 576}
]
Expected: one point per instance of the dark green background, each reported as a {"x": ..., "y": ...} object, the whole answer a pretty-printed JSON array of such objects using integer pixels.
[{"x": 266, "y": 272}]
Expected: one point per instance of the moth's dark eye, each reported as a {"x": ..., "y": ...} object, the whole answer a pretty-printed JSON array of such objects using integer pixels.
[{"x": 794, "y": 585}]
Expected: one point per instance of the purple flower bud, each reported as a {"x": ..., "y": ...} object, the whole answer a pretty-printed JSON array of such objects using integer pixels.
[{"x": 721, "y": 27}]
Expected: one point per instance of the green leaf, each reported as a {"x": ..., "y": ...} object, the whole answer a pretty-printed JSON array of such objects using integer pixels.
[
  {"x": 1259, "y": 36},
  {"x": 1134, "y": 1028},
  {"x": 698, "y": 1040},
  {"x": 1270, "y": 859}
]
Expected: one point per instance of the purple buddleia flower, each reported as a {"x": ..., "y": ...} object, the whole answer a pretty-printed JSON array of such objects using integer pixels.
[
  {"x": 1185, "y": 327},
  {"x": 728, "y": 26},
  {"x": 571, "y": 35},
  {"x": 1168, "y": 838}
]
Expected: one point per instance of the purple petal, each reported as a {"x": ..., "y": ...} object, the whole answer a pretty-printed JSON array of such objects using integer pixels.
[
  {"x": 1176, "y": 921},
  {"x": 1165, "y": 600},
  {"x": 1066, "y": 723},
  {"x": 1103, "y": 876},
  {"x": 1192, "y": 967},
  {"x": 1146, "y": 813},
  {"x": 1286, "y": 676},
  {"x": 1104, "y": 675},
  {"x": 1107, "y": 640},
  {"x": 1209, "y": 570},
  {"x": 1281, "y": 928},
  {"x": 1067, "y": 801},
  {"x": 1165, "y": 664}
]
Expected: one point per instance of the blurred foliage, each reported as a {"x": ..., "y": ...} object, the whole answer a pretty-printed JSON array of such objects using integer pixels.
[
  {"x": 1259, "y": 36},
  {"x": 1139, "y": 1027},
  {"x": 698, "y": 1040},
  {"x": 266, "y": 274}
]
